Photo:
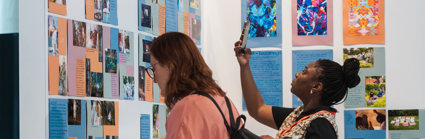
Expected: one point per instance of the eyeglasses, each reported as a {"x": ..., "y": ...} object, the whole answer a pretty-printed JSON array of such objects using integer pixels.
[{"x": 151, "y": 70}]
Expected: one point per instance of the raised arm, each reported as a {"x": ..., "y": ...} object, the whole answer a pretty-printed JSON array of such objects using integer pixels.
[{"x": 253, "y": 99}]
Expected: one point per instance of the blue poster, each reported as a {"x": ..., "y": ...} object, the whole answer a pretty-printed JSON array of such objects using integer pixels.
[
  {"x": 266, "y": 67},
  {"x": 300, "y": 59},
  {"x": 58, "y": 118},
  {"x": 145, "y": 128},
  {"x": 171, "y": 16},
  {"x": 356, "y": 132}
]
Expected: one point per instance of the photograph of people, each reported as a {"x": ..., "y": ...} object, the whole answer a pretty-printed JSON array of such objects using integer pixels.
[
  {"x": 53, "y": 36},
  {"x": 180, "y": 71},
  {"x": 320, "y": 85}
]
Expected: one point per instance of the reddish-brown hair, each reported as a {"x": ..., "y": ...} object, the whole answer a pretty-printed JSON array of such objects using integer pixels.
[{"x": 188, "y": 70}]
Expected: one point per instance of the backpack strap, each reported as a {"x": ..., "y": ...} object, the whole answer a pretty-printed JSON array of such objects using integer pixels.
[
  {"x": 232, "y": 120},
  {"x": 235, "y": 125},
  {"x": 218, "y": 107}
]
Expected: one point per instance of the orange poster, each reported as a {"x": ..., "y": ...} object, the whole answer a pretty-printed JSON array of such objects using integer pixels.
[
  {"x": 161, "y": 19},
  {"x": 363, "y": 22},
  {"x": 53, "y": 75},
  {"x": 80, "y": 77},
  {"x": 148, "y": 88},
  {"x": 90, "y": 9},
  {"x": 57, "y": 7},
  {"x": 186, "y": 23},
  {"x": 93, "y": 55},
  {"x": 62, "y": 35}
]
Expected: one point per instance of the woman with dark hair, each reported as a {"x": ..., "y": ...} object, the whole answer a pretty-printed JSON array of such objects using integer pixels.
[
  {"x": 180, "y": 71},
  {"x": 320, "y": 85}
]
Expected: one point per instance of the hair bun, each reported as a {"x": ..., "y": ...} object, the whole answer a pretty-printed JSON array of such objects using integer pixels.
[{"x": 351, "y": 69}]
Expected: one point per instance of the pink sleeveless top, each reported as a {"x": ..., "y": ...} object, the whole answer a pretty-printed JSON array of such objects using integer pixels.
[{"x": 196, "y": 117}]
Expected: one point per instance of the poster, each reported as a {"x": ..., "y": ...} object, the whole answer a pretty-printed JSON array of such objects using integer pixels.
[
  {"x": 171, "y": 16},
  {"x": 266, "y": 22},
  {"x": 145, "y": 126},
  {"x": 57, "y": 55},
  {"x": 406, "y": 123},
  {"x": 366, "y": 124},
  {"x": 102, "y": 11},
  {"x": 266, "y": 67},
  {"x": 58, "y": 7},
  {"x": 148, "y": 15},
  {"x": 363, "y": 22},
  {"x": 371, "y": 91},
  {"x": 312, "y": 22}
]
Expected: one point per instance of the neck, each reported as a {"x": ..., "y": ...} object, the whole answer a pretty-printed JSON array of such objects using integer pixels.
[{"x": 312, "y": 104}]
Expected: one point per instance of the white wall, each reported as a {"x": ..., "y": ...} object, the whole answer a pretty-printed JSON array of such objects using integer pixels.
[
  {"x": 8, "y": 16},
  {"x": 405, "y": 43}
]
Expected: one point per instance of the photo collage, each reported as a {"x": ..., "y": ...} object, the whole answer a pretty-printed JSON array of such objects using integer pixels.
[{"x": 96, "y": 63}]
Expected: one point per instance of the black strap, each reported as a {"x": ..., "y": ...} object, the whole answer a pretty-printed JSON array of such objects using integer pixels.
[
  {"x": 218, "y": 107},
  {"x": 232, "y": 120}
]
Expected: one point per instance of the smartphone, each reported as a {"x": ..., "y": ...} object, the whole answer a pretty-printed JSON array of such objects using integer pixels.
[{"x": 245, "y": 32}]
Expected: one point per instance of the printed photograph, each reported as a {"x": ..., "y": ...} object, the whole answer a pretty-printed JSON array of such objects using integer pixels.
[
  {"x": 373, "y": 119},
  {"x": 124, "y": 41},
  {"x": 146, "y": 18},
  {"x": 93, "y": 37},
  {"x": 96, "y": 113},
  {"x": 63, "y": 2},
  {"x": 196, "y": 29},
  {"x": 363, "y": 17},
  {"x": 63, "y": 82},
  {"x": 74, "y": 112},
  {"x": 53, "y": 36},
  {"x": 155, "y": 120},
  {"x": 128, "y": 85},
  {"x": 99, "y": 45},
  {"x": 108, "y": 113},
  {"x": 364, "y": 55},
  {"x": 180, "y": 5},
  {"x": 79, "y": 33},
  {"x": 312, "y": 17},
  {"x": 105, "y": 10},
  {"x": 96, "y": 85},
  {"x": 146, "y": 46},
  {"x": 111, "y": 61},
  {"x": 403, "y": 119},
  {"x": 88, "y": 78},
  {"x": 262, "y": 15},
  {"x": 375, "y": 91},
  {"x": 142, "y": 95},
  {"x": 98, "y": 10},
  {"x": 194, "y": 4}
]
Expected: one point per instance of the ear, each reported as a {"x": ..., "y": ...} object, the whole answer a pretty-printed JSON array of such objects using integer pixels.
[{"x": 317, "y": 87}]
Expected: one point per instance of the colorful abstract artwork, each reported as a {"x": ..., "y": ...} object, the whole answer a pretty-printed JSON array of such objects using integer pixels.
[
  {"x": 312, "y": 17},
  {"x": 363, "y": 17},
  {"x": 262, "y": 14}
]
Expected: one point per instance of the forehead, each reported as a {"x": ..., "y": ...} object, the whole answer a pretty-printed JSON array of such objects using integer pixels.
[{"x": 313, "y": 67}]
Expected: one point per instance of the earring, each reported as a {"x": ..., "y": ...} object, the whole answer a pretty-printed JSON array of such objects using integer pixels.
[{"x": 311, "y": 92}]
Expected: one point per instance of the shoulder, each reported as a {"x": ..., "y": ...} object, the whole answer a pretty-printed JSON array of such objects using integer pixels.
[
  {"x": 321, "y": 128},
  {"x": 196, "y": 116},
  {"x": 194, "y": 107}
]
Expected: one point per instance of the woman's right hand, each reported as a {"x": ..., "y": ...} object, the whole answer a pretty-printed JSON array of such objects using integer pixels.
[{"x": 243, "y": 55}]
